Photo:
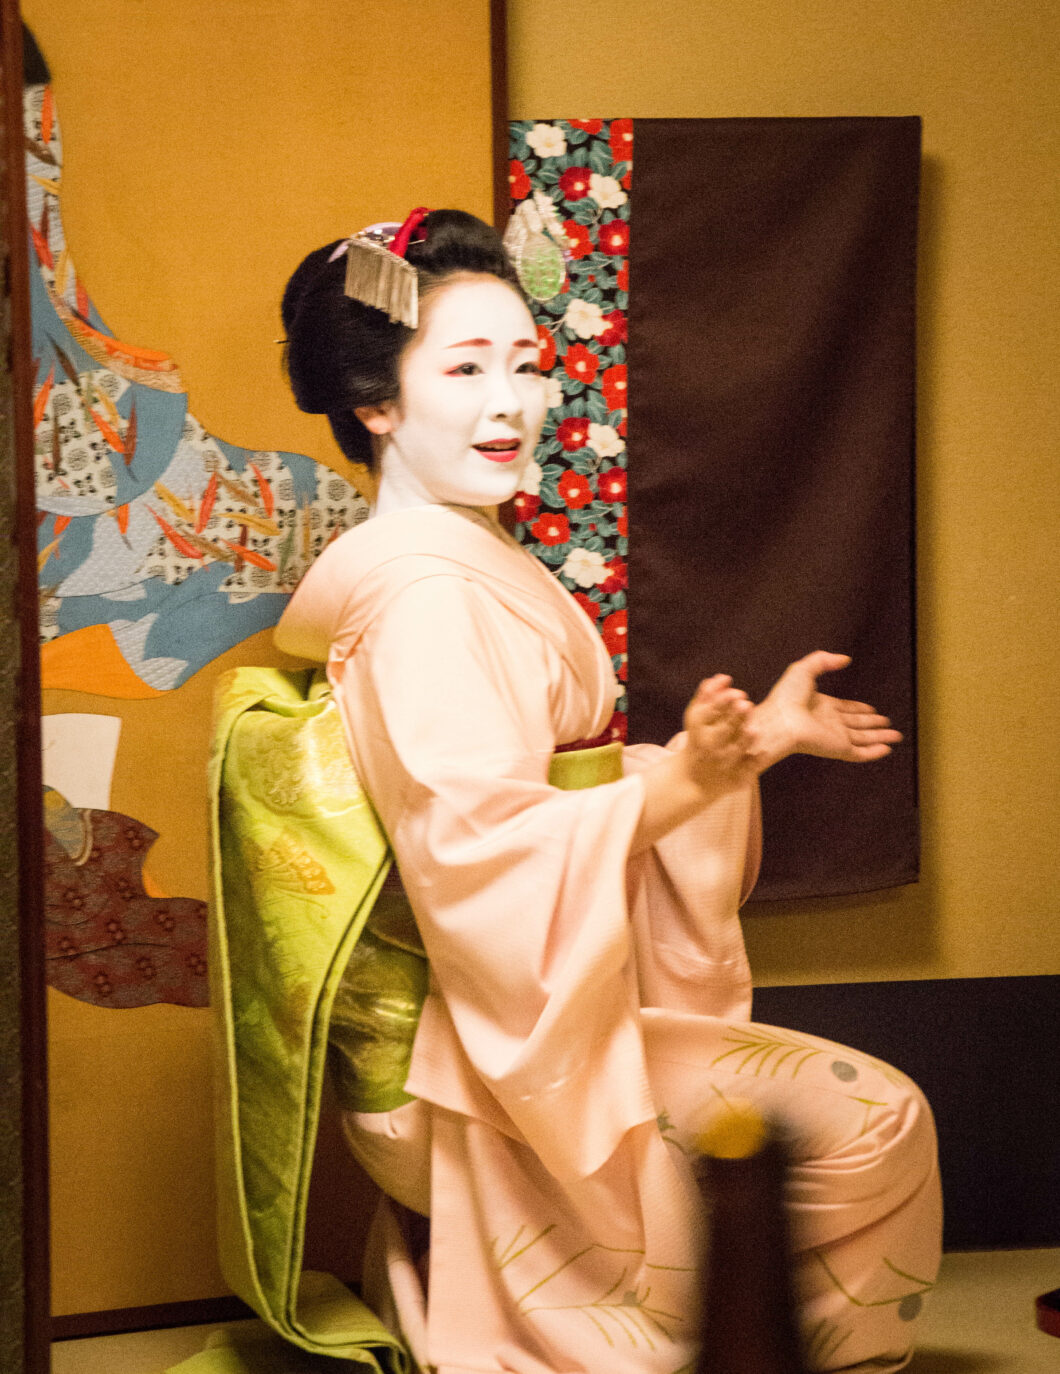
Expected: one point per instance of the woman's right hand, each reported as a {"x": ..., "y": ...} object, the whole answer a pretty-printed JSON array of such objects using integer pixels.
[
  {"x": 718, "y": 744},
  {"x": 714, "y": 756}
]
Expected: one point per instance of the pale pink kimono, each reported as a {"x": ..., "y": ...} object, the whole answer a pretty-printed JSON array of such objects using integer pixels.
[{"x": 588, "y": 1009}]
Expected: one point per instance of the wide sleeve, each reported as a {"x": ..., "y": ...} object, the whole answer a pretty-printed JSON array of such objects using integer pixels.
[
  {"x": 519, "y": 888},
  {"x": 685, "y": 895}
]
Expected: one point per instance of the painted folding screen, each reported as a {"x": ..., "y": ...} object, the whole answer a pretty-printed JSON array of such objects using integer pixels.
[
  {"x": 177, "y": 170},
  {"x": 770, "y": 271}
]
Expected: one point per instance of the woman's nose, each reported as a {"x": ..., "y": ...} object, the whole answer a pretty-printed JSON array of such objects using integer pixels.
[{"x": 504, "y": 400}]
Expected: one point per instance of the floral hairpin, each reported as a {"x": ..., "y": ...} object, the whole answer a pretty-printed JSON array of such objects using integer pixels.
[{"x": 537, "y": 244}]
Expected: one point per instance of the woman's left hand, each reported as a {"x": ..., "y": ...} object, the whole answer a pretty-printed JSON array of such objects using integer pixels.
[{"x": 797, "y": 719}]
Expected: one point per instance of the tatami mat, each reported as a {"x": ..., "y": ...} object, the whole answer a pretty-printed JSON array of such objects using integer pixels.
[{"x": 980, "y": 1321}]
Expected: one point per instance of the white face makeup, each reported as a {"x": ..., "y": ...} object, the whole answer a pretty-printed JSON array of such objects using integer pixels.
[{"x": 472, "y": 402}]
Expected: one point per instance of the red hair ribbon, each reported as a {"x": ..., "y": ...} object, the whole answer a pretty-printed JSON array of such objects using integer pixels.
[{"x": 404, "y": 235}]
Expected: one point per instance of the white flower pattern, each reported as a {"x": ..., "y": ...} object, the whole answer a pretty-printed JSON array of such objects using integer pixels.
[
  {"x": 584, "y": 567},
  {"x": 585, "y": 318},
  {"x": 605, "y": 439},
  {"x": 530, "y": 483},
  {"x": 547, "y": 140},
  {"x": 606, "y": 191}
]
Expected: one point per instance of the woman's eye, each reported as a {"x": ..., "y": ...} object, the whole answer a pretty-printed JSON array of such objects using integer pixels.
[
  {"x": 465, "y": 370},
  {"x": 533, "y": 369}
]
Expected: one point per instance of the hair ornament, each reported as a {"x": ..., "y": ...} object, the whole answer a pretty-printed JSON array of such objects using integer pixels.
[
  {"x": 537, "y": 245},
  {"x": 377, "y": 273}
]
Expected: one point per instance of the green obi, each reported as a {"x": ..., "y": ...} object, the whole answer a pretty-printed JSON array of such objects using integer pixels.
[{"x": 306, "y": 948}]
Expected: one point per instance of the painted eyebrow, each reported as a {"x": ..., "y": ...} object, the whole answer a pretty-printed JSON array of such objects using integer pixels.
[{"x": 488, "y": 343}]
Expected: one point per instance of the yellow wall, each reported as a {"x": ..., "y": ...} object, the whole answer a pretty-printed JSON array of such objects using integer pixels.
[
  {"x": 983, "y": 75},
  {"x": 203, "y": 158},
  {"x": 207, "y": 147}
]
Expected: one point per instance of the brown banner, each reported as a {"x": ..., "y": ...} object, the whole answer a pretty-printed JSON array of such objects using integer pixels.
[{"x": 771, "y": 419}]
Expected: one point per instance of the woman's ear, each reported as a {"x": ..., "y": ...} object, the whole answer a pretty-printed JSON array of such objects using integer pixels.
[{"x": 376, "y": 419}]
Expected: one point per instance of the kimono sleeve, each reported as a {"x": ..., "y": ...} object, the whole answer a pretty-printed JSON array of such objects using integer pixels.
[{"x": 519, "y": 888}]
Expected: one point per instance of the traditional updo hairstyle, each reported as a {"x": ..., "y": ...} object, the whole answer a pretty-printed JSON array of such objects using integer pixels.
[{"x": 341, "y": 354}]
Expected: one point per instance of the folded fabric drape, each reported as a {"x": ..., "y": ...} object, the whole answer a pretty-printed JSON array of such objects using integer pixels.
[
  {"x": 307, "y": 950},
  {"x": 298, "y": 859}
]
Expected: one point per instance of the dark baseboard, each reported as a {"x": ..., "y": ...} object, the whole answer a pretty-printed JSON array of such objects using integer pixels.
[
  {"x": 986, "y": 1052},
  {"x": 198, "y": 1312}
]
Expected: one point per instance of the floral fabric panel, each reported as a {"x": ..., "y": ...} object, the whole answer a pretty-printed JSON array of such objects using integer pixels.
[
  {"x": 179, "y": 544},
  {"x": 572, "y": 511}
]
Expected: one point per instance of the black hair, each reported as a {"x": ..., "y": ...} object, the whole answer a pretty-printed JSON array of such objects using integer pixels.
[{"x": 341, "y": 354}]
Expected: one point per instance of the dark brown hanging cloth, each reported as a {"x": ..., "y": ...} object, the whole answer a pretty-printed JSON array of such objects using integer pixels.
[{"x": 771, "y": 422}]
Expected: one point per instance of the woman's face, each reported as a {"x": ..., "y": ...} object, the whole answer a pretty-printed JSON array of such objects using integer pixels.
[{"x": 471, "y": 403}]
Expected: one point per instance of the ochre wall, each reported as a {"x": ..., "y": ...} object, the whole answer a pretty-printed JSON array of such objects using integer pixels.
[
  {"x": 983, "y": 77},
  {"x": 207, "y": 148},
  {"x": 202, "y": 158}
]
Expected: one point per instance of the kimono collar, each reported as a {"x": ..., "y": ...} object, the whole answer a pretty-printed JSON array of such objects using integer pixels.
[{"x": 358, "y": 573}]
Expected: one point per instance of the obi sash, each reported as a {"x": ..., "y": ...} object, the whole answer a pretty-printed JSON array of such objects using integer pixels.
[{"x": 306, "y": 944}]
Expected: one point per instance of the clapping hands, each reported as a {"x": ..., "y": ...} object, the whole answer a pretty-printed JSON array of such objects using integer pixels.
[{"x": 729, "y": 736}]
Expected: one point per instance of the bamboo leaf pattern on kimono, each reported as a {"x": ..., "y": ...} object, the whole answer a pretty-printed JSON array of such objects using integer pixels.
[
  {"x": 762, "y": 1049},
  {"x": 908, "y": 1302},
  {"x": 623, "y": 1309}
]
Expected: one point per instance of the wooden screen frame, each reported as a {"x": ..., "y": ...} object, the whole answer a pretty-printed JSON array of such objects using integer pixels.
[{"x": 24, "y": 1259}]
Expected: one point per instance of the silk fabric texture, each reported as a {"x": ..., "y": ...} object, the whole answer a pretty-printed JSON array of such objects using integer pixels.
[{"x": 585, "y": 1007}]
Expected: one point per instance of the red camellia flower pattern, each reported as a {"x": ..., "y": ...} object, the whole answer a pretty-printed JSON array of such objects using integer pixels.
[
  {"x": 518, "y": 180},
  {"x": 616, "y": 331},
  {"x": 614, "y": 633},
  {"x": 546, "y": 344},
  {"x": 576, "y": 506},
  {"x": 579, "y": 240},
  {"x": 526, "y": 506},
  {"x": 573, "y": 432},
  {"x": 614, "y": 237},
  {"x": 612, "y": 485},
  {"x": 551, "y": 529},
  {"x": 575, "y": 490},
  {"x": 574, "y": 183},
  {"x": 621, "y": 140},
  {"x": 613, "y": 385},
  {"x": 617, "y": 577},
  {"x": 580, "y": 363}
]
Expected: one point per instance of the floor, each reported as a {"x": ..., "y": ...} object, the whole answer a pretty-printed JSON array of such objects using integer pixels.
[{"x": 980, "y": 1321}]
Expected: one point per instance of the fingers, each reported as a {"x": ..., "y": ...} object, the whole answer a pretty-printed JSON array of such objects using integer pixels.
[
  {"x": 869, "y": 737},
  {"x": 864, "y": 720},
  {"x": 823, "y": 661},
  {"x": 716, "y": 701},
  {"x": 718, "y": 740},
  {"x": 865, "y": 725},
  {"x": 711, "y": 686},
  {"x": 869, "y": 752}
]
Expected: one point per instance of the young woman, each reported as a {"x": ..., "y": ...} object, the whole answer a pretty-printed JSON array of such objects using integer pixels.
[{"x": 589, "y": 996}]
